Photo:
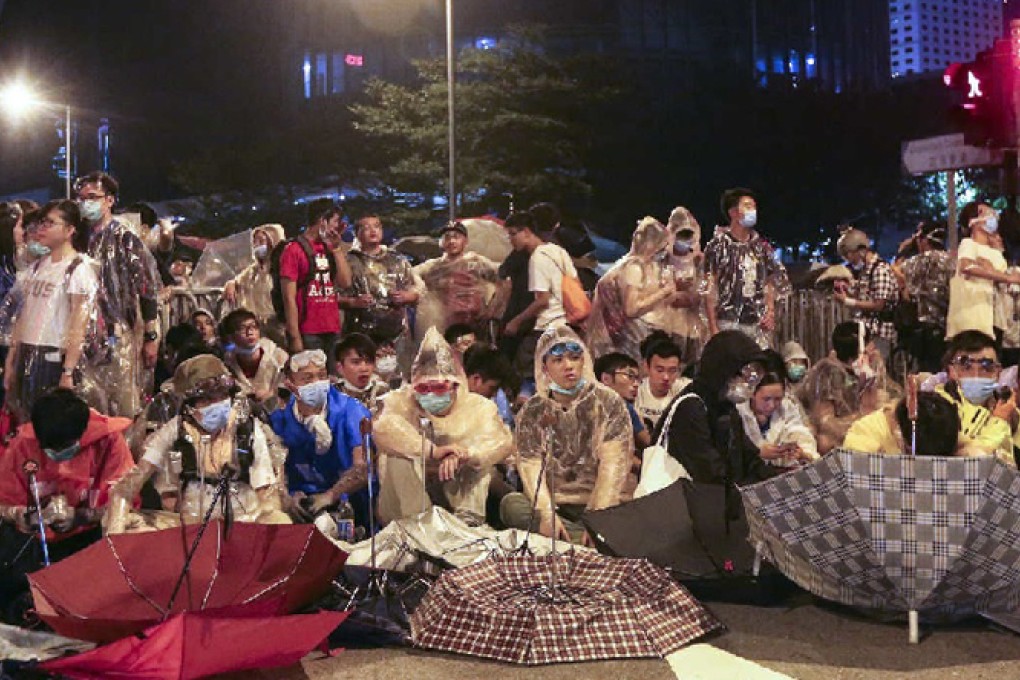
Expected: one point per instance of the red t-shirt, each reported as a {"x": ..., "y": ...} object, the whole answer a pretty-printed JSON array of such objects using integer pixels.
[{"x": 318, "y": 306}]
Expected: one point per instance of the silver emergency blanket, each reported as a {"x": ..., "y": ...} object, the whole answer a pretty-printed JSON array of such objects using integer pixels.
[{"x": 18, "y": 644}]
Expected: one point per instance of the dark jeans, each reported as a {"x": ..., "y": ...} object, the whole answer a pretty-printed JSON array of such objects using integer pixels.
[
  {"x": 327, "y": 343},
  {"x": 37, "y": 368}
]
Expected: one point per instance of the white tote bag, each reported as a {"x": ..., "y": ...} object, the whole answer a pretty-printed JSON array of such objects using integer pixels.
[{"x": 658, "y": 468}]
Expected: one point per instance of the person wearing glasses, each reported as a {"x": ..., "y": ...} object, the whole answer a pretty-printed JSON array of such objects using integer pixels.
[
  {"x": 575, "y": 434},
  {"x": 440, "y": 441},
  {"x": 131, "y": 284},
  {"x": 621, "y": 374},
  {"x": 213, "y": 440},
  {"x": 58, "y": 300},
  {"x": 988, "y": 413}
]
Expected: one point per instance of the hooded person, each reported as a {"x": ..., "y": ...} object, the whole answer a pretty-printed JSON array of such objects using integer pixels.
[
  {"x": 706, "y": 434},
  {"x": 252, "y": 288},
  {"x": 632, "y": 291},
  {"x": 437, "y": 424},
  {"x": 582, "y": 431},
  {"x": 213, "y": 436}
]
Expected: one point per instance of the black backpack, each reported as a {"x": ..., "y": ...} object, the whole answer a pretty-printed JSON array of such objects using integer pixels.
[{"x": 274, "y": 271}]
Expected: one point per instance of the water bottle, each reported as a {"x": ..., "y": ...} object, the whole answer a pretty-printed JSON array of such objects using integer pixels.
[{"x": 345, "y": 520}]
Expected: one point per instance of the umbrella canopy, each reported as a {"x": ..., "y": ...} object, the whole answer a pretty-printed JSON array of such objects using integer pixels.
[
  {"x": 132, "y": 576},
  {"x": 222, "y": 260},
  {"x": 199, "y": 644},
  {"x": 486, "y": 236},
  {"x": 601, "y": 608},
  {"x": 900, "y": 533}
]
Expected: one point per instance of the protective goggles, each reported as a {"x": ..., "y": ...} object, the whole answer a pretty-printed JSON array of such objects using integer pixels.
[
  {"x": 986, "y": 365},
  {"x": 433, "y": 387},
  {"x": 311, "y": 357},
  {"x": 221, "y": 385},
  {"x": 563, "y": 348}
]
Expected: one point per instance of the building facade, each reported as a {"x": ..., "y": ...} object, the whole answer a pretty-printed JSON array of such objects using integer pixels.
[{"x": 928, "y": 35}]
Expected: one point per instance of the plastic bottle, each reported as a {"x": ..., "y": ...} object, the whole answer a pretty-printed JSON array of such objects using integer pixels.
[{"x": 345, "y": 519}]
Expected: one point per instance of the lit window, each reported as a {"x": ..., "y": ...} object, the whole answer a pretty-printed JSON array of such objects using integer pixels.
[
  {"x": 306, "y": 75},
  {"x": 338, "y": 84}
]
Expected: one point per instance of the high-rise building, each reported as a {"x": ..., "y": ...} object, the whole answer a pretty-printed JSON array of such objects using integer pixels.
[{"x": 928, "y": 35}]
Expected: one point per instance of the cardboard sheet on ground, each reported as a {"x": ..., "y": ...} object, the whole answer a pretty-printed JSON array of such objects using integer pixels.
[{"x": 18, "y": 644}]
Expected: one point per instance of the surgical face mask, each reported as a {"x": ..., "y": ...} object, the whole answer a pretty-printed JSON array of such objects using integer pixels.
[
  {"x": 977, "y": 390},
  {"x": 739, "y": 391},
  {"x": 683, "y": 247},
  {"x": 992, "y": 224},
  {"x": 386, "y": 365},
  {"x": 434, "y": 403},
  {"x": 749, "y": 218},
  {"x": 91, "y": 210},
  {"x": 796, "y": 372},
  {"x": 61, "y": 455},
  {"x": 213, "y": 417},
  {"x": 37, "y": 250},
  {"x": 558, "y": 389},
  {"x": 261, "y": 251},
  {"x": 314, "y": 394}
]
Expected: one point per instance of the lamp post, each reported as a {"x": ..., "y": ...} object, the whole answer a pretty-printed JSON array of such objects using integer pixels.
[
  {"x": 450, "y": 110},
  {"x": 18, "y": 99}
]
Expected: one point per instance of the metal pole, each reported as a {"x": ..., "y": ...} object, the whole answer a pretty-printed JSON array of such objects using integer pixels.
[
  {"x": 67, "y": 151},
  {"x": 951, "y": 209},
  {"x": 449, "y": 106}
]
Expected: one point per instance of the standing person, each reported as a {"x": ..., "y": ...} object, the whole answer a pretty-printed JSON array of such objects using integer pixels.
[
  {"x": 925, "y": 280},
  {"x": 744, "y": 276},
  {"x": 979, "y": 266},
  {"x": 513, "y": 277},
  {"x": 59, "y": 306},
  {"x": 130, "y": 282},
  {"x": 663, "y": 379},
  {"x": 312, "y": 268},
  {"x": 252, "y": 288},
  {"x": 873, "y": 293},
  {"x": 547, "y": 266},
  {"x": 382, "y": 289}
]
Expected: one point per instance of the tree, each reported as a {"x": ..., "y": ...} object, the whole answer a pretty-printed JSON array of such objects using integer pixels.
[{"x": 524, "y": 125}]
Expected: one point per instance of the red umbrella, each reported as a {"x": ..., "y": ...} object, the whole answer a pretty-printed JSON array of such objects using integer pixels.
[
  {"x": 122, "y": 584},
  {"x": 198, "y": 644}
]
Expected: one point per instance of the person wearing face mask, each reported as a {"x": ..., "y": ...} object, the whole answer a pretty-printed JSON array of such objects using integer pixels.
[
  {"x": 321, "y": 428},
  {"x": 438, "y": 441},
  {"x": 796, "y": 361},
  {"x": 988, "y": 416},
  {"x": 256, "y": 362},
  {"x": 874, "y": 291},
  {"x": 213, "y": 436},
  {"x": 252, "y": 288},
  {"x": 979, "y": 266},
  {"x": 356, "y": 357},
  {"x": 79, "y": 453},
  {"x": 582, "y": 430},
  {"x": 744, "y": 279},
  {"x": 638, "y": 288}
]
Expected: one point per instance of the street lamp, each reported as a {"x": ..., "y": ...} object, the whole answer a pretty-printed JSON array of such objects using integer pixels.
[
  {"x": 449, "y": 106},
  {"x": 19, "y": 100}
]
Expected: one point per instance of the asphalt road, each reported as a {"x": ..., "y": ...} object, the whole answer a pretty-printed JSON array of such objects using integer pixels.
[{"x": 806, "y": 640}]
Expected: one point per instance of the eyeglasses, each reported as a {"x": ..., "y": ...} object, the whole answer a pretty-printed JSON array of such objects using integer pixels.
[
  {"x": 47, "y": 222},
  {"x": 986, "y": 365},
  {"x": 562, "y": 348},
  {"x": 92, "y": 197},
  {"x": 629, "y": 375},
  {"x": 433, "y": 387}
]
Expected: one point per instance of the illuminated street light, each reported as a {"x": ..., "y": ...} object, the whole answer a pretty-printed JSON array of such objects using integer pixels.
[{"x": 18, "y": 99}]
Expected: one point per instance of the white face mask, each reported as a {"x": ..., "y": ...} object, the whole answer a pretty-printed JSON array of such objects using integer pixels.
[{"x": 386, "y": 365}]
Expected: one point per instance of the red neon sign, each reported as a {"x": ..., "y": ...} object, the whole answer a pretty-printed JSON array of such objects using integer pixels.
[{"x": 354, "y": 59}]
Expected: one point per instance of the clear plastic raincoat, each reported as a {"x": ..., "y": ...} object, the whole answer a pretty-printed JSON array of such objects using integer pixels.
[
  {"x": 254, "y": 284},
  {"x": 405, "y": 433},
  {"x": 589, "y": 443},
  {"x": 456, "y": 291},
  {"x": 379, "y": 275}
]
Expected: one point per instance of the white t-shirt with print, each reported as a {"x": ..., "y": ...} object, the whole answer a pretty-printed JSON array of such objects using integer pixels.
[
  {"x": 651, "y": 407},
  {"x": 546, "y": 269},
  {"x": 46, "y": 310}
]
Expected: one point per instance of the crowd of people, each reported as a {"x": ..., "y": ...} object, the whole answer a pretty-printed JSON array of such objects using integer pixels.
[{"x": 525, "y": 401}]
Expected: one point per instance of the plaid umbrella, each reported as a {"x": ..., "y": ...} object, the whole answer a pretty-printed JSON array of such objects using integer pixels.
[
  {"x": 601, "y": 608},
  {"x": 901, "y": 533}
]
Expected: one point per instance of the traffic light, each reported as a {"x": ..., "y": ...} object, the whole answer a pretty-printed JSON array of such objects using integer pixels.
[{"x": 984, "y": 107}]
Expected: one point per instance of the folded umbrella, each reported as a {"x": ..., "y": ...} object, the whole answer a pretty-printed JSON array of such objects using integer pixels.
[{"x": 131, "y": 576}]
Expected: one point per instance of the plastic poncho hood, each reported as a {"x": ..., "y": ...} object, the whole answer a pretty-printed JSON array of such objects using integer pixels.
[
  {"x": 650, "y": 237},
  {"x": 552, "y": 337},
  {"x": 274, "y": 232}
]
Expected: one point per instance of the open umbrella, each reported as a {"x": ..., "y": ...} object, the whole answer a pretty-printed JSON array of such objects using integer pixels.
[
  {"x": 131, "y": 577},
  {"x": 199, "y": 644},
  {"x": 222, "y": 260},
  {"x": 504, "y": 608},
  {"x": 902, "y": 533},
  {"x": 486, "y": 236}
]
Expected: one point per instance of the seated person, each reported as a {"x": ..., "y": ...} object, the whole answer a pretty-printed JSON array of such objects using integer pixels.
[
  {"x": 321, "y": 428},
  {"x": 490, "y": 374},
  {"x": 387, "y": 364},
  {"x": 355, "y": 361},
  {"x": 622, "y": 374},
  {"x": 205, "y": 323},
  {"x": 460, "y": 336},
  {"x": 772, "y": 421},
  {"x": 889, "y": 430},
  {"x": 79, "y": 453},
  {"x": 663, "y": 379},
  {"x": 972, "y": 367},
  {"x": 706, "y": 434},
  {"x": 578, "y": 432},
  {"x": 256, "y": 362},
  {"x": 439, "y": 442},
  {"x": 213, "y": 436},
  {"x": 796, "y": 361}
]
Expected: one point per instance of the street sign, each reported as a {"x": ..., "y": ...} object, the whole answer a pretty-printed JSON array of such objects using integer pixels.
[{"x": 946, "y": 152}]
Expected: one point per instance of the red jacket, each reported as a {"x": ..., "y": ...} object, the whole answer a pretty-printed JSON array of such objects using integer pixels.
[{"x": 84, "y": 480}]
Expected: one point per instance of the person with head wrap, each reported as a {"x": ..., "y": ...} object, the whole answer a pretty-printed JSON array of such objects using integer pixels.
[
  {"x": 321, "y": 428},
  {"x": 213, "y": 439},
  {"x": 252, "y": 288},
  {"x": 706, "y": 434},
  {"x": 575, "y": 443},
  {"x": 795, "y": 361},
  {"x": 636, "y": 286},
  {"x": 439, "y": 441},
  {"x": 874, "y": 291}
]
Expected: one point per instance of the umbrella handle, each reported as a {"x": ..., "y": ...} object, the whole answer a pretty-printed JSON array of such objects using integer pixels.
[
  {"x": 222, "y": 489},
  {"x": 914, "y": 630}
]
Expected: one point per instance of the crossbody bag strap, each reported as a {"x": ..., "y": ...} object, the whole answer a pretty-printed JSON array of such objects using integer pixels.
[{"x": 669, "y": 418}]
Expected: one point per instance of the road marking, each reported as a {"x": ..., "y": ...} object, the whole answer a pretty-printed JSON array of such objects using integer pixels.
[{"x": 705, "y": 662}]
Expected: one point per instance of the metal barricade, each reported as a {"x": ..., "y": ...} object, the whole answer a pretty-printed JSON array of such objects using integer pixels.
[
  {"x": 183, "y": 301},
  {"x": 808, "y": 317}
]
